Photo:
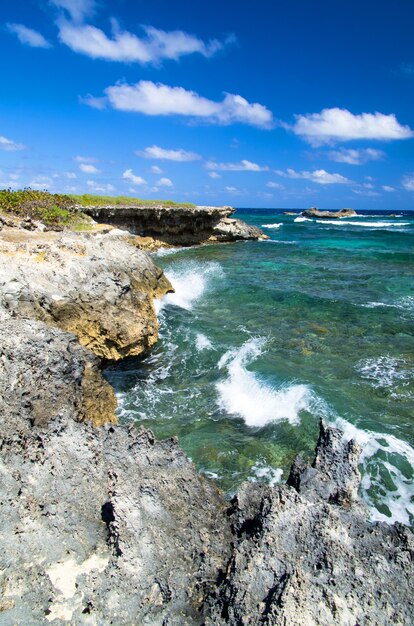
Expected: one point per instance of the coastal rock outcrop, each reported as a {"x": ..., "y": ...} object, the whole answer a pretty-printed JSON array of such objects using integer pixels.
[
  {"x": 314, "y": 212},
  {"x": 305, "y": 553},
  {"x": 178, "y": 225},
  {"x": 97, "y": 286},
  {"x": 105, "y": 525}
]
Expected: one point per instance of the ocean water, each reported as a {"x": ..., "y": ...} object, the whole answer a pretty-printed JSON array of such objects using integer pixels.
[{"x": 261, "y": 339}]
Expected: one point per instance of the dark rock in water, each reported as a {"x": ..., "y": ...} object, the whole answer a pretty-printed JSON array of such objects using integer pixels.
[
  {"x": 314, "y": 212},
  {"x": 232, "y": 229},
  {"x": 305, "y": 553},
  {"x": 179, "y": 225}
]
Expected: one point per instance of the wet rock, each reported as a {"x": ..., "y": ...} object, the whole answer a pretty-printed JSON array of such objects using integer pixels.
[{"x": 232, "y": 229}]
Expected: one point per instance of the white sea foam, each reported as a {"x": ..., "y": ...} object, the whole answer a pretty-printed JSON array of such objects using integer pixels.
[
  {"x": 276, "y": 225},
  {"x": 384, "y": 371},
  {"x": 375, "y": 446},
  {"x": 202, "y": 342},
  {"x": 340, "y": 222},
  {"x": 302, "y": 219},
  {"x": 190, "y": 280},
  {"x": 263, "y": 472},
  {"x": 257, "y": 402}
]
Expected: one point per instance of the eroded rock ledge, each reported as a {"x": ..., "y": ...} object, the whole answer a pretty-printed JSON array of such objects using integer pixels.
[{"x": 179, "y": 225}]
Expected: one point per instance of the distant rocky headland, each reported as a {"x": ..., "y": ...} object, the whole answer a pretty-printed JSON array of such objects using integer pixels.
[{"x": 101, "y": 523}]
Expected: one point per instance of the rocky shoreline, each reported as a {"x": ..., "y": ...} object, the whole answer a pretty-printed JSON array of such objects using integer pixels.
[{"x": 102, "y": 524}]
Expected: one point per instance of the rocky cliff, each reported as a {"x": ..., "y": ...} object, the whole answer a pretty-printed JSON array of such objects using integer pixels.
[
  {"x": 104, "y": 525},
  {"x": 179, "y": 225}
]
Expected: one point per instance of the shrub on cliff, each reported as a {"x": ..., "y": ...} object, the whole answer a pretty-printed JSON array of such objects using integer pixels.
[{"x": 54, "y": 210}]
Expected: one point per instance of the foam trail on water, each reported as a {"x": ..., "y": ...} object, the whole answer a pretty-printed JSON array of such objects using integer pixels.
[
  {"x": 190, "y": 280},
  {"x": 384, "y": 454},
  {"x": 340, "y": 222},
  {"x": 258, "y": 403},
  {"x": 202, "y": 342},
  {"x": 276, "y": 225},
  {"x": 302, "y": 219}
]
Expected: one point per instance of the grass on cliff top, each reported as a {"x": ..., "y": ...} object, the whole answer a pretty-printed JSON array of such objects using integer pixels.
[
  {"x": 58, "y": 211},
  {"x": 87, "y": 199}
]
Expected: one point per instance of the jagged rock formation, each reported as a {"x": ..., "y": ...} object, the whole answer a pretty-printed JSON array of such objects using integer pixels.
[
  {"x": 180, "y": 225},
  {"x": 305, "y": 555},
  {"x": 313, "y": 212}
]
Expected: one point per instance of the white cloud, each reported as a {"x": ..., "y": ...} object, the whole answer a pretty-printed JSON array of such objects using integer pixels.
[
  {"x": 28, "y": 36},
  {"x": 9, "y": 145},
  {"x": 408, "y": 182},
  {"x": 356, "y": 157},
  {"x": 156, "y": 170},
  {"x": 41, "y": 182},
  {"x": 127, "y": 47},
  {"x": 388, "y": 188},
  {"x": 243, "y": 166},
  {"x": 77, "y": 9},
  {"x": 273, "y": 185},
  {"x": 332, "y": 125},
  {"x": 155, "y": 152},
  {"x": 88, "y": 168},
  {"x": 94, "y": 186},
  {"x": 164, "y": 182},
  {"x": 322, "y": 177},
  {"x": 214, "y": 175},
  {"x": 369, "y": 193},
  {"x": 157, "y": 99},
  {"x": 70, "y": 175},
  {"x": 231, "y": 189},
  {"x": 136, "y": 180},
  {"x": 82, "y": 159}
]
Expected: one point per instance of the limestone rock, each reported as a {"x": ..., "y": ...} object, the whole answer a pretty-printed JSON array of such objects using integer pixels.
[
  {"x": 179, "y": 225},
  {"x": 314, "y": 212},
  {"x": 97, "y": 286}
]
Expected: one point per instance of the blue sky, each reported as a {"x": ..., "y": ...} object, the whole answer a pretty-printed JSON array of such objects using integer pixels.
[{"x": 264, "y": 104}]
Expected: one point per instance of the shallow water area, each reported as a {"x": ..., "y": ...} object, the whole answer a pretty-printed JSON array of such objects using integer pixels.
[{"x": 261, "y": 339}]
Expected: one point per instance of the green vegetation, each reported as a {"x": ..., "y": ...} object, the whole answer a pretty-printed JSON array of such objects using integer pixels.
[
  {"x": 90, "y": 200},
  {"x": 58, "y": 211},
  {"x": 54, "y": 210}
]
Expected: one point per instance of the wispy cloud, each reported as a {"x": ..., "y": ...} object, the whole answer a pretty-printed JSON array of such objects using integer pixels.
[
  {"x": 77, "y": 9},
  {"x": 155, "y": 46},
  {"x": 366, "y": 192},
  {"x": 83, "y": 159},
  {"x": 28, "y": 36},
  {"x": 356, "y": 157},
  {"x": 156, "y": 170},
  {"x": 158, "y": 99},
  {"x": 322, "y": 177},
  {"x": 333, "y": 125},
  {"x": 136, "y": 180},
  {"x": 163, "y": 154},
  {"x": 100, "y": 187},
  {"x": 214, "y": 175},
  {"x": 273, "y": 185},
  {"x": 164, "y": 182},
  {"x": 388, "y": 188},
  {"x": 408, "y": 182},
  {"x": 242, "y": 166},
  {"x": 9, "y": 145},
  {"x": 88, "y": 168}
]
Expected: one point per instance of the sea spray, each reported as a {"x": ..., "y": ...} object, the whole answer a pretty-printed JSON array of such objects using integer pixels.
[
  {"x": 190, "y": 280},
  {"x": 243, "y": 393}
]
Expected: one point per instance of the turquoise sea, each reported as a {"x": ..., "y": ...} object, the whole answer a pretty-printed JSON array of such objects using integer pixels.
[{"x": 261, "y": 339}]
